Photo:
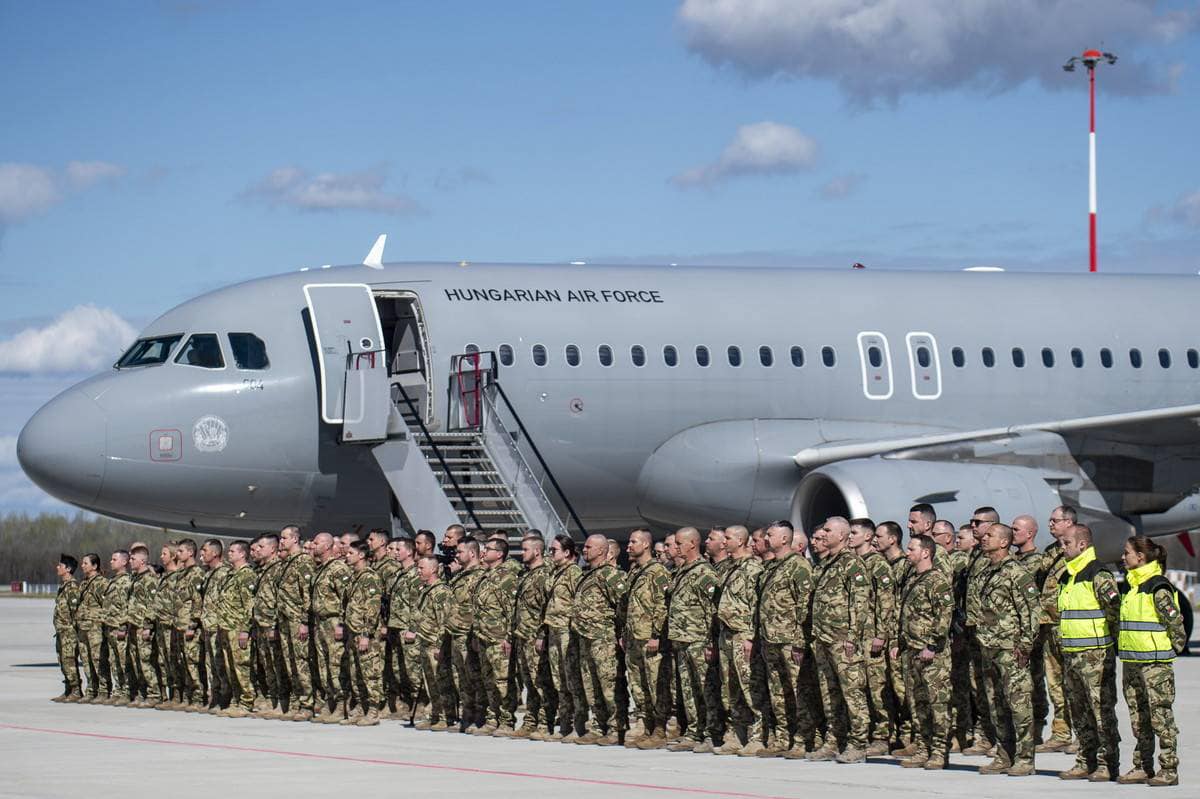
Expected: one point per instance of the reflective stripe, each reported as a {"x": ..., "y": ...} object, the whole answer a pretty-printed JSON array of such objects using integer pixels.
[
  {"x": 1157, "y": 656},
  {"x": 1082, "y": 614},
  {"x": 1088, "y": 642},
  {"x": 1148, "y": 626}
]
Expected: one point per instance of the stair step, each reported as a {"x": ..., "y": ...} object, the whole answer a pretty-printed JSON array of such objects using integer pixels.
[
  {"x": 476, "y": 473},
  {"x": 478, "y": 487},
  {"x": 492, "y": 513},
  {"x": 435, "y": 462},
  {"x": 507, "y": 500}
]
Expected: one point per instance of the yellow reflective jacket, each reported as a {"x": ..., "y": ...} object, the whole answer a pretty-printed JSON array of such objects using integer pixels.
[
  {"x": 1081, "y": 622},
  {"x": 1143, "y": 637}
]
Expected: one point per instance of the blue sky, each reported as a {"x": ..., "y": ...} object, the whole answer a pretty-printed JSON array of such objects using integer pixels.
[{"x": 154, "y": 150}]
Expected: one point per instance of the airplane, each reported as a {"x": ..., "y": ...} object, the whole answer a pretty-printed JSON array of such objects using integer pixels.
[{"x": 581, "y": 397}]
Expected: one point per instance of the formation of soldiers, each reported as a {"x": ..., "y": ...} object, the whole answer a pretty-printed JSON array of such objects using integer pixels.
[{"x": 754, "y": 644}]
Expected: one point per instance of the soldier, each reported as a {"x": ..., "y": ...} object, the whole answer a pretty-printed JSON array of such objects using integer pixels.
[
  {"x": 984, "y": 732},
  {"x": 759, "y": 546},
  {"x": 598, "y": 595},
  {"x": 215, "y": 575},
  {"x": 737, "y": 603},
  {"x": 406, "y": 655},
  {"x": 116, "y": 602},
  {"x": 89, "y": 621},
  {"x": 644, "y": 613},
  {"x": 921, "y": 518},
  {"x": 189, "y": 581},
  {"x": 1152, "y": 634},
  {"x": 886, "y": 541},
  {"x": 330, "y": 582},
  {"x": 1025, "y": 529},
  {"x": 568, "y": 702},
  {"x": 265, "y": 635},
  {"x": 164, "y": 630},
  {"x": 531, "y": 665},
  {"x": 879, "y": 624},
  {"x": 360, "y": 626},
  {"x": 66, "y": 640},
  {"x": 464, "y": 672},
  {"x": 294, "y": 606},
  {"x": 925, "y": 606},
  {"x": 1007, "y": 631},
  {"x": 1053, "y": 567},
  {"x": 714, "y": 549},
  {"x": 378, "y": 541},
  {"x": 1089, "y": 607},
  {"x": 234, "y": 623},
  {"x": 427, "y": 632},
  {"x": 491, "y": 627},
  {"x": 143, "y": 594},
  {"x": 689, "y": 621}
]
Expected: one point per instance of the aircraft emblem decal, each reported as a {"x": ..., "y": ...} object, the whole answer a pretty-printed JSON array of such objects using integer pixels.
[{"x": 210, "y": 434}]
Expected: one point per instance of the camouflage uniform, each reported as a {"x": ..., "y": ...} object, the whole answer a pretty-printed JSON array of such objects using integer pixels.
[
  {"x": 387, "y": 568},
  {"x": 330, "y": 582},
  {"x": 1053, "y": 566},
  {"x": 879, "y": 625},
  {"x": 406, "y": 666},
  {"x": 689, "y": 622},
  {"x": 234, "y": 618},
  {"x": 164, "y": 636},
  {"x": 645, "y": 616},
  {"x": 116, "y": 620},
  {"x": 66, "y": 639},
  {"x": 294, "y": 604},
  {"x": 188, "y": 585},
  {"x": 362, "y": 619},
  {"x": 219, "y": 693},
  {"x": 841, "y": 611},
  {"x": 428, "y": 621},
  {"x": 143, "y": 600},
  {"x": 598, "y": 596},
  {"x": 736, "y": 605},
  {"x": 89, "y": 620},
  {"x": 984, "y": 729},
  {"x": 901, "y": 718},
  {"x": 570, "y": 708},
  {"x": 532, "y": 666},
  {"x": 925, "y": 606},
  {"x": 267, "y": 653},
  {"x": 784, "y": 599},
  {"x": 1008, "y": 625},
  {"x": 1032, "y": 561},
  {"x": 491, "y": 623},
  {"x": 464, "y": 672}
]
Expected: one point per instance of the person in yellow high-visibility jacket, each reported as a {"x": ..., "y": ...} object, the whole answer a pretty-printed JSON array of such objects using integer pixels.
[{"x": 1151, "y": 634}]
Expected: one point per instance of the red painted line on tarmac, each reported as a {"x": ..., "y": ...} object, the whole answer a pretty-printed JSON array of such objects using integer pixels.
[{"x": 402, "y": 763}]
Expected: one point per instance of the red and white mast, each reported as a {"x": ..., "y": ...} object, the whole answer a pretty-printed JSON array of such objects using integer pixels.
[{"x": 1090, "y": 59}]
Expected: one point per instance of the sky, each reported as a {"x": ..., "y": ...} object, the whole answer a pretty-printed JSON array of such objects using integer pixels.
[{"x": 152, "y": 151}]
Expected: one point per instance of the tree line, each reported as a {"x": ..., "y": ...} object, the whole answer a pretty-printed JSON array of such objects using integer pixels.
[{"x": 30, "y": 545}]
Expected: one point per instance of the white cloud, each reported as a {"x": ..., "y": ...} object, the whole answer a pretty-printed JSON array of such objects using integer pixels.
[
  {"x": 82, "y": 174},
  {"x": 1184, "y": 211},
  {"x": 84, "y": 338},
  {"x": 27, "y": 190},
  {"x": 887, "y": 48},
  {"x": 763, "y": 148},
  {"x": 293, "y": 187},
  {"x": 842, "y": 186}
]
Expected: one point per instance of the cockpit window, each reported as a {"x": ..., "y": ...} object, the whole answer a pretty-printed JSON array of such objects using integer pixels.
[
  {"x": 148, "y": 352},
  {"x": 202, "y": 349},
  {"x": 249, "y": 351}
]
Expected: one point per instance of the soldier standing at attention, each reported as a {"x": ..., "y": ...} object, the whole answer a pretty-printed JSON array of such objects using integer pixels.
[
  {"x": 402, "y": 601},
  {"x": 491, "y": 625},
  {"x": 737, "y": 604},
  {"x": 886, "y": 541},
  {"x": 880, "y": 624},
  {"x": 66, "y": 640},
  {"x": 645, "y": 617},
  {"x": 1053, "y": 568},
  {"x": 1025, "y": 529},
  {"x": 378, "y": 541},
  {"x": 215, "y": 574},
  {"x": 294, "y": 602},
  {"x": 89, "y": 620},
  {"x": 1089, "y": 605},
  {"x": 360, "y": 627},
  {"x": 427, "y": 633},
  {"x": 143, "y": 593},
  {"x": 984, "y": 732},
  {"x": 1151, "y": 635},
  {"x": 568, "y": 702},
  {"x": 164, "y": 630},
  {"x": 689, "y": 621},
  {"x": 530, "y": 602},
  {"x": 116, "y": 620},
  {"x": 265, "y": 635},
  {"x": 466, "y": 681},
  {"x": 1008, "y": 606},
  {"x": 598, "y": 596},
  {"x": 234, "y": 623},
  {"x": 330, "y": 583},
  {"x": 188, "y": 584},
  {"x": 926, "y": 604}
]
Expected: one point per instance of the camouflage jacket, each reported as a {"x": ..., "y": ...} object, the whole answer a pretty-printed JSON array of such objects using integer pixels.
[
  {"x": 784, "y": 600},
  {"x": 645, "y": 603},
  {"x": 294, "y": 588},
  {"x": 560, "y": 595},
  {"x": 598, "y": 597},
  {"x": 901, "y": 571},
  {"x": 116, "y": 601},
  {"x": 925, "y": 607},
  {"x": 189, "y": 584},
  {"x": 1053, "y": 569},
  {"x": 1008, "y": 606},
  {"x": 363, "y": 602},
  {"x": 214, "y": 580},
  {"x": 402, "y": 598},
  {"x": 387, "y": 569},
  {"x": 462, "y": 585},
  {"x": 143, "y": 596},
  {"x": 883, "y": 597},
  {"x": 1032, "y": 561},
  {"x": 977, "y": 566},
  {"x": 265, "y": 612},
  {"x": 429, "y": 616},
  {"x": 164, "y": 599},
  {"x": 532, "y": 591},
  {"x": 737, "y": 598},
  {"x": 690, "y": 608},
  {"x": 236, "y": 603},
  {"x": 842, "y": 601},
  {"x": 492, "y": 604},
  {"x": 329, "y": 585},
  {"x": 90, "y": 613},
  {"x": 66, "y": 601}
]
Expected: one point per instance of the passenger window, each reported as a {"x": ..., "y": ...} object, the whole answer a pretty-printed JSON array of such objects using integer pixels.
[
  {"x": 572, "y": 355},
  {"x": 148, "y": 352},
  {"x": 797, "y": 357},
  {"x": 959, "y": 357},
  {"x": 735, "y": 356},
  {"x": 702, "y": 356},
  {"x": 1135, "y": 358},
  {"x": 472, "y": 349},
  {"x": 1164, "y": 358},
  {"x": 1018, "y": 356},
  {"x": 638, "y": 355},
  {"x": 1077, "y": 357},
  {"x": 765, "y": 356},
  {"x": 1106, "y": 358},
  {"x": 875, "y": 356},
  {"x": 203, "y": 350},
  {"x": 506, "y": 355},
  {"x": 1047, "y": 357},
  {"x": 248, "y": 350},
  {"x": 670, "y": 356},
  {"x": 1193, "y": 359},
  {"x": 539, "y": 355},
  {"x": 828, "y": 356},
  {"x": 923, "y": 358},
  {"x": 605, "y": 355},
  {"x": 989, "y": 357}
]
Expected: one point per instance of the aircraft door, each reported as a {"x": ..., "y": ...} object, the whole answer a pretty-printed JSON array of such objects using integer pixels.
[
  {"x": 876, "y": 359},
  {"x": 350, "y": 355},
  {"x": 925, "y": 365}
]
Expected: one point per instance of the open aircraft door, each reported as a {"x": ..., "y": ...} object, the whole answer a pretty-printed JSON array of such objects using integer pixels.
[{"x": 351, "y": 357}]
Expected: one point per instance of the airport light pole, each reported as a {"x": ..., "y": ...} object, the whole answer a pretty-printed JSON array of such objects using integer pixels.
[{"x": 1091, "y": 59}]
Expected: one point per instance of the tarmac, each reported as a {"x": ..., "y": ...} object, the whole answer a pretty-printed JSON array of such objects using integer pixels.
[{"x": 54, "y": 750}]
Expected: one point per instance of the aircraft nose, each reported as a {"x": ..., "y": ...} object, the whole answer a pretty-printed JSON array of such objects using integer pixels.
[{"x": 62, "y": 447}]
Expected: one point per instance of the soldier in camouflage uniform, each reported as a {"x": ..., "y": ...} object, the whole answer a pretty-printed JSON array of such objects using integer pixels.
[
  {"x": 886, "y": 542},
  {"x": 406, "y": 655},
  {"x": 89, "y": 621},
  {"x": 66, "y": 639},
  {"x": 116, "y": 628},
  {"x": 164, "y": 631},
  {"x": 921, "y": 636},
  {"x": 567, "y": 700},
  {"x": 1008, "y": 606},
  {"x": 532, "y": 667},
  {"x": 689, "y": 624},
  {"x": 1025, "y": 529},
  {"x": 598, "y": 596},
  {"x": 330, "y": 582},
  {"x": 267, "y": 653},
  {"x": 234, "y": 624},
  {"x": 386, "y": 567},
  {"x": 216, "y": 572},
  {"x": 644, "y": 612},
  {"x": 189, "y": 581},
  {"x": 427, "y": 633},
  {"x": 491, "y": 625},
  {"x": 294, "y": 605},
  {"x": 142, "y": 606},
  {"x": 879, "y": 624},
  {"x": 736, "y": 606},
  {"x": 361, "y": 622},
  {"x": 1053, "y": 569},
  {"x": 465, "y": 680},
  {"x": 984, "y": 732}
]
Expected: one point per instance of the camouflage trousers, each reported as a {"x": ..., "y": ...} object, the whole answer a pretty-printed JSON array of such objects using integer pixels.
[
  {"x": 167, "y": 676},
  {"x": 927, "y": 687},
  {"x": 66, "y": 646},
  {"x": 880, "y": 717},
  {"x": 214, "y": 664},
  {"x": 1010, "y": 697},
  {"x": 843, "y": 682},
  {"x": 598, "y": 672},
  {"x": 366, "y": 671},
  {"x": 328, "y": 665},
  {"x": 117, "y": 652},
  {"x": 1091, "y": 687},
  {"x": 962, "y": 716},
  {"x": 407, "y": 663},
  {"x": 643, "y": 670},
  {"x": 1037, "y": 671},
  {"x": 236, "y": 659},
  {"x": 984, "y": 728},
  {"x": 146, "y": 677},
  {"x": 428, "y": 656},
  {"x": 294, "y": 657},
  {"x": 268, "y": 657},
  {"x": 1150, "y": 694},
  {"x": 782, "y": 675},
  {"x": 901, "y": 718},
  {"x": 494, "y": 673},
  {"x": 1052, "y": 666},
  {"x": 190, "y": 655},
  {"x": 736, "y": 681},
  {"x": 92, "y": 654},
  {"x": 691, "y": 669},
  {"x": 467, "y": 683},
  {"x": 532, "y": 676},
  {"x": 563, "y": 654}
]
